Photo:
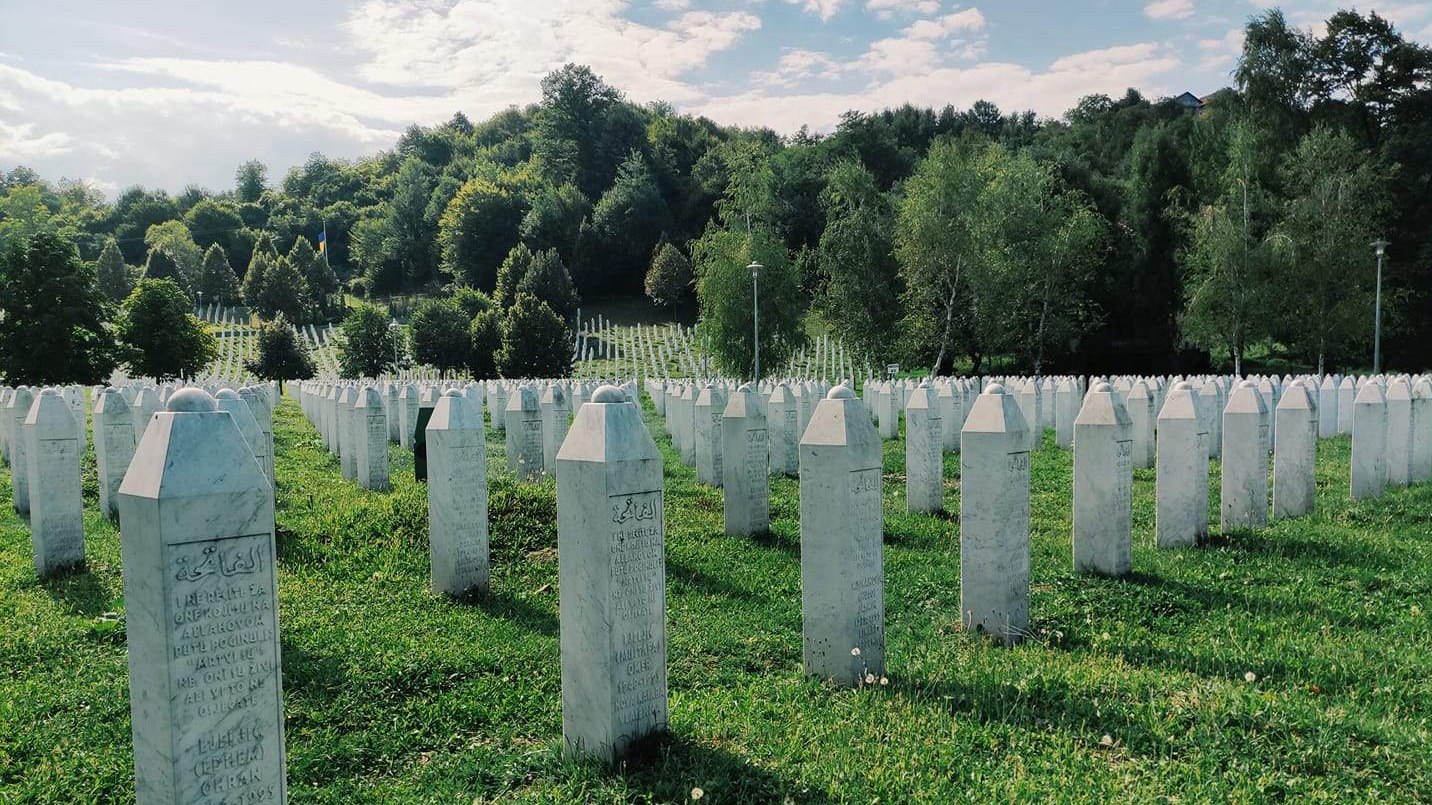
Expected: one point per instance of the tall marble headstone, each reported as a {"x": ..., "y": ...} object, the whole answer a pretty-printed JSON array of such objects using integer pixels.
[
  {"x": 201, "y": 599},
  {"x": 371, "y": 427},
  {"x": 52, "y": 456},
  {"x": 924, "y": 452},
  {"x": 113, "y": 447},
  {"x": 407, "y": 415},
  {"x": 524, "y": 433},
  {"x": 1369, "y": 441},
  {"x": 745, "y": 468},
  {"x": 612, "y": 576},
  {"x": 1181, "y": 469},
  {"x": 994, "y": 516},
  {"x": 1103, "y": 484},
  {"x": 1142, "y": 416},
  {"x": 555, "y": 410},
  {"x": 842, "y": 527},
  {"x": 457, "y": 497},
  {"x": 710, "y": 405},
  {"x": 1422, "y": 430},
  {"x": 1295, "y": 456},
  {"x": 1399, "y": 432},
  {"x": 21, "y": 400},
  {"x": 781, "y": 419},
  {"x": 1244, "y": 497}
]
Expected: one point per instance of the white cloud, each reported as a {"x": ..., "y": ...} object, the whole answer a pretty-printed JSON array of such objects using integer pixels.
[
  {"x": 1011, "y": 86},
  {"x": 797, "y": 65},
  {"x": 493, "y": 53},
  {"x": 888, "y": 8},
  {"x": 968, "y": 20},
  {"x": 1169, "y": 10},
  {"x": 824, "y": 8},
  {"x": 672, "y": 5},
  {"x": 1221, "y": 53}
]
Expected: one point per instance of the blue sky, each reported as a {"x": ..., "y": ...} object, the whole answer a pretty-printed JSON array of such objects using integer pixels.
[{"x": 167, "y": 94}]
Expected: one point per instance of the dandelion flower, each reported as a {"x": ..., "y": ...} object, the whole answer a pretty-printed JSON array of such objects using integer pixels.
[
  {"x": 855, "y": 652},
  {"x": 697, "y": 793},
  {"x": 1250, "y": 677},
  {"x": 884, "y": 680},
  {"x": 870, "y": 679}
]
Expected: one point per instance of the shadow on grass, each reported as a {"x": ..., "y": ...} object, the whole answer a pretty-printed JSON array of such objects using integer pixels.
[
  {"x": 1043, "y": 705},
  {"x": 1317, "y": 552},
  {"x": 776, "y": 540},
  {"x": 519, "y": 611},
  {"x": 668, "y": 767},
  {"x": 708, "y": 583},
  {"x": 80, "y": 591}
]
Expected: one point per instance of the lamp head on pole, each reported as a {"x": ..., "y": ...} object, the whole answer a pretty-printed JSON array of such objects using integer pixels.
[
  {"x": 755, "y": 269},
  {"x": 1380, "y": 246}
]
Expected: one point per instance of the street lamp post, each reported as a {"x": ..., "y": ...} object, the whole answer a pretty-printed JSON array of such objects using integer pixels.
[
  {"x": 1381, "y": 246},
  {"x": 755, "y": 319},
  {"x": 394, "y": 329}
]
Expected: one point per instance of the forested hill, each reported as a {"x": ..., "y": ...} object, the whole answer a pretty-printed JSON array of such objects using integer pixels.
[{"x": 1130, "y": 232}]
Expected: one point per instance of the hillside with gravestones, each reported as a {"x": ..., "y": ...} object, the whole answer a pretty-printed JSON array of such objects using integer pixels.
[
  {"x": 726, "y": 404},
  {"x": 807, "y": 588}
]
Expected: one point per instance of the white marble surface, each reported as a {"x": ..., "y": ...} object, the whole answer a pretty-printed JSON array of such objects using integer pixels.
[
  {"x": 1181, "y": 470},
  {"x": 52, "y": 455},
  {"x": 1369, "y": 442},
  {"x": 371, "y": 442},
  {"x": 842, "y": 527},
  {"x": 524, "y": 433},
  {"x": 1244, "y": 483},
  {"x": 1295, "y": 457},
  {"x": 113, "y": 447},
  {"x": 457, "y": 498},
  {"x": 612, "y": 576},
  {"x": 746, "y": 501},
  {"x": 1103, "y": 484},
  {"x": 924, "y": 452},
  {"x": 994, "y": 516},
  {"x": 201, "y": 612}
]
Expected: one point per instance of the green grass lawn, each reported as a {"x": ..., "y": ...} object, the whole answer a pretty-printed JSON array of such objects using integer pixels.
[{"x": 1289, "y": 664}]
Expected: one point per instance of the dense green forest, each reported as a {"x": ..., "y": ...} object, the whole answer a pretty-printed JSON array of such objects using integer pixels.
[{"x": 1130, "y": 235}]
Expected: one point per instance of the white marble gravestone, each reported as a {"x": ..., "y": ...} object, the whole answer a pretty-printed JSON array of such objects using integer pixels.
[
  {"x": 888, "y": 397},
  {"x": 408, "y": 415},
  {"x": 1181, "y": 469},
  {"x": 842, "y": 527},
  {"x": 1295, "y": 456},
  {"x": 612, "y": 576},
  {"x": 1369, "y": 441},
  {"x": 555, "y": 410},
  {"x": 524, "y": 433},
  {"x": 349, "y": 441},
  {"x": 371, "y": 430},
  {"x": 261, "y": 406},
  {"x": 457, "y": 497},
  {"x": 781, "y": 420},
  {"x": 951, "y": 402},
  {"x": 52, "y": 459},
  {"x": 1103, "y": 484},
  {"x": 709, "y": 451},
  {"x": 146, "y": 404},
  {"x": 1140, "y": 407},
  {"x": 1210, "y": 407},
  {"x": 201, "y": 619},
  {"x": 1347, "y": 396},
  {"x": 1244, "y": 497},
  {"x": 1399, "y": 432},
  {"x": 113, "y": 447},
  {"x": 686, "y": 419},
  {"x": 994, "y": 516},
  {"x": 746, "y": 474},
  {"x": 1422, "y": 430},
  {"x": 229, "y": 401},
  {"x": 924, "y": 452},
  {"x": 1066, "y": 405},
  {"x": 1327, "y": 408},
  {"x": 18, "y": 408}
]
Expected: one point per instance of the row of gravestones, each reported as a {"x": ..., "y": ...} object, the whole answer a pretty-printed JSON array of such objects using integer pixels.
[
  {"x": 44, "y": 435},
  {"x": 196, "y": 509}
]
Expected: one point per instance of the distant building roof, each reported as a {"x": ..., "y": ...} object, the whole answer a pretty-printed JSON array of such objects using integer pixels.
[{"x": 1190, "y": 101}]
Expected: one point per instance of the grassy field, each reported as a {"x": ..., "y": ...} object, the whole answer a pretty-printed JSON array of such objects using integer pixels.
[{"x": 1293, "y": 664}]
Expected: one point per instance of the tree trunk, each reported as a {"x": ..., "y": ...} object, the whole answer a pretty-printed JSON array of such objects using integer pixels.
[{"x": 949, "y": 326}]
